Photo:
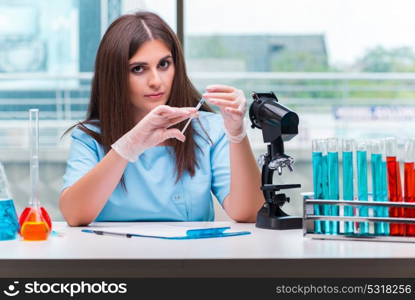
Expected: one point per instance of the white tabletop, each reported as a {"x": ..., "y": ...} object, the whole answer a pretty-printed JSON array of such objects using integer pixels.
[
  {"x": 260, "y": 244},
  {"x": 264, "y": 253}
]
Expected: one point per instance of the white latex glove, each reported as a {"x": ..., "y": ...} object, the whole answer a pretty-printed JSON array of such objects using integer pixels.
[
  {"x": 153, "y": 130},
  {"x": 233, "y": 105}
]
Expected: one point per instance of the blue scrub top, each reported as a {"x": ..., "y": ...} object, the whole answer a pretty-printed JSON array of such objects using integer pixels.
[{"x": 152, "y": 192}]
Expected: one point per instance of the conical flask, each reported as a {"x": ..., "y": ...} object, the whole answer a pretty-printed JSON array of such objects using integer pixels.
[
  {"x": 35, "y": 223},
  {"x": 9, "y": 227}
]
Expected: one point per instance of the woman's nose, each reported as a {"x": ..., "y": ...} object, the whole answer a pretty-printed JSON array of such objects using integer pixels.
[{"x": 154, "y": 80}]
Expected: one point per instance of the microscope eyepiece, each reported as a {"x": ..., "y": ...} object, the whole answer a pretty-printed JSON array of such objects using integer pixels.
[
  {"x": 273, "y": 118},
  {"x": 278, "y": 124}
]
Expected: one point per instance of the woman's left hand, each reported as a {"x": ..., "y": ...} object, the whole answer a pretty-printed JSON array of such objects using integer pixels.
[{"x": 232, "y": 104}]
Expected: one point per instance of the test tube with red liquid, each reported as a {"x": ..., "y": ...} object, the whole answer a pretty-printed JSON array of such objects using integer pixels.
[
  {"x": 35, "y": 223},
  {"x": 409, "y": 183},
  {"x": 394, "y": 186}
]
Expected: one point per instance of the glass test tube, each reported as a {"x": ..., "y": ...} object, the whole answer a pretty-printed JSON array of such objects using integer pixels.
[
  {"x": 348, "y": 193},
  {"x": 318, "y": 148},
  {"x": 333, "y": 172},
  {"x": 384, "y": 186},
  {"x": 394, "y": 185},
  {"x": 377, "y": 184},
  {"x": 409, "y": 183},
  {"x": 325, "y": 209},
  {"x": 362, "y": 188}
]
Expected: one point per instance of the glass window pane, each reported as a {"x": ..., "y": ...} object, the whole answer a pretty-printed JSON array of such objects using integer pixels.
[
  {"x": 164, "y": 8},
  {"x": 347, "y": 67},
  {"x": 47, "y": 54}
]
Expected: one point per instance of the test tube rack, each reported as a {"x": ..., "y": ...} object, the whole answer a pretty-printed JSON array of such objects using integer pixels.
[{"x": 309, "y": 217}]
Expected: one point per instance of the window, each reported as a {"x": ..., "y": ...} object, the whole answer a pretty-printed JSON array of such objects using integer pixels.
[
  {"x": 47, "y": 54},
  {"x": 346, "y": 67}
]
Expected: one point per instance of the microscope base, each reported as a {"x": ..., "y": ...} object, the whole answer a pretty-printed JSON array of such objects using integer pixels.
[{"x": 278, "y": 222}]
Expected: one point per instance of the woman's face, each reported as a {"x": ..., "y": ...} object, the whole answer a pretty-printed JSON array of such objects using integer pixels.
[{"x": 150, "y": 77}]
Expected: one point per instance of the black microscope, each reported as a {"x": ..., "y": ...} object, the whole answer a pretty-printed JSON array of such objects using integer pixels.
[{"x": 278, "y": 124}]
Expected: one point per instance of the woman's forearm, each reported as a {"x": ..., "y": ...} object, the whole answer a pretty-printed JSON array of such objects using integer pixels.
[
  {"x": 81, "y": 203},
  {"x": 245, "y": 198}
]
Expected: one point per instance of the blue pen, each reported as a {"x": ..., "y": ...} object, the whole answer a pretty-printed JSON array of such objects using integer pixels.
[{"x": 100, "y": 232}]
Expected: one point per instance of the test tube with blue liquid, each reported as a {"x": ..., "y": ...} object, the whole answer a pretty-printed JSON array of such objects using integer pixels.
[
  {"x": 317, "y": 161},
  {"x": 333, "y": 174},
  {"x": 384, "y": 186},
  {"x": 9, "y": 225},
  {"x": 362, "y": 185},
  {"x": 323, "y": 182},
  {"x": 378, "y": 167},
  {"x": 348, "y": 193}
]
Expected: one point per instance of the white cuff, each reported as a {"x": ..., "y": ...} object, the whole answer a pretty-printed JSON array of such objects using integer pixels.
[
  {"x": 126, "y": 148},
  {"x": 236, "y": 139}
]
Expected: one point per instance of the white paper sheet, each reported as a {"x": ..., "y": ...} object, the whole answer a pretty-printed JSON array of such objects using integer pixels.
[{"x": 158, "y": 229}]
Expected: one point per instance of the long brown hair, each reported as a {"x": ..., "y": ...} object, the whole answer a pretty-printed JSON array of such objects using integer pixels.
[{"x": 110, "y": 104}]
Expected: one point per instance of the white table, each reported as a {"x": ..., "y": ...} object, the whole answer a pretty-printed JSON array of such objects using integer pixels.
[{"x": 264, "y": 253}]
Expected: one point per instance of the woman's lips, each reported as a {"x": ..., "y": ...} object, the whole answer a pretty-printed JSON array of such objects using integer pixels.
[{"x": 154, "y": 96}]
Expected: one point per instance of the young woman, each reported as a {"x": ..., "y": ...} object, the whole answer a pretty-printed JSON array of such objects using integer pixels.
[{"x": 129, "y": 160}]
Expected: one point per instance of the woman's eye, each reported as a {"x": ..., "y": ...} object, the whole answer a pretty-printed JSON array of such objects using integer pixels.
[
  {"x": 164, "y": 64},
  {"x": 137, "y": 69}
]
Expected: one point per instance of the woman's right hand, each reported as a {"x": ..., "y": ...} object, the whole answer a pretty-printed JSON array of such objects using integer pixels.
[{"x": 152, "y": 130}]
